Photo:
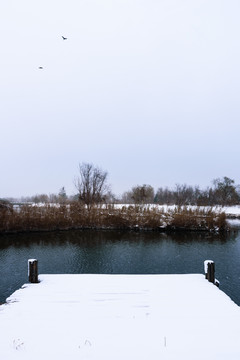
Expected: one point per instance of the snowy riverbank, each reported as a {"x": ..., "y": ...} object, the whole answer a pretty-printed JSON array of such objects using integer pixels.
[{"x": 28, "y": 218}]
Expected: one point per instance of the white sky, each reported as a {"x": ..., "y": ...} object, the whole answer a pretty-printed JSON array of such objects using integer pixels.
[{"x": 147, "y": 90}]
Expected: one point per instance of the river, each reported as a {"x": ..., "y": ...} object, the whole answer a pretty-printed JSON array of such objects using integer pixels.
[{"x": 115, "y": 252}]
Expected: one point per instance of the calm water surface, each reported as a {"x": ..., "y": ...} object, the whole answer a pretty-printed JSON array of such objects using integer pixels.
[{"x": 110, "y": 252}]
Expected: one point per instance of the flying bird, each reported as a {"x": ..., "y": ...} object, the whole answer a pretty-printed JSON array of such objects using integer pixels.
[
  {"x": 64, "y": 38},
  {"x": 40, "y": 67}
]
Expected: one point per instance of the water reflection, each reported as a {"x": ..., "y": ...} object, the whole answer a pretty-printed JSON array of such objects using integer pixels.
[
  {"x": 119, "y": 252},
  {"x": 92, "y": 238}
]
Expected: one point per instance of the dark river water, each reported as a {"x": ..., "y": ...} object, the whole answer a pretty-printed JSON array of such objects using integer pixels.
[{"x": 108, "y": 252}]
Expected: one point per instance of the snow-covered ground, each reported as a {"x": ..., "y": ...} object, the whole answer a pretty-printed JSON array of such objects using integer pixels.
[
  {"x": 120, "y": 317},
  {"x": 229, "y": 210}
]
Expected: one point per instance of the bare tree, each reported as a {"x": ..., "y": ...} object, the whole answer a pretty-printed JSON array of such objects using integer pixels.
[
  {"x": 126, "y": 198},
  {"x": 62, "y": 196},
  {"x": 165, "y": 196},
  {"x": 225, "y": 191},
  {"x": 40, "y": 198},
  {"x": 91, "y": 185},
  {"x": 140, "y": 194}
]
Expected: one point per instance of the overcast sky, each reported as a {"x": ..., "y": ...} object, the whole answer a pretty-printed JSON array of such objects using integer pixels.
[{"x": 145, "y": 89}]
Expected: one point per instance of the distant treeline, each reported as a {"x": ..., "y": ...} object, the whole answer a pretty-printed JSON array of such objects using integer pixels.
[
  {"x": 93, "y": 189},
  {"x": 223, "y": 192}
]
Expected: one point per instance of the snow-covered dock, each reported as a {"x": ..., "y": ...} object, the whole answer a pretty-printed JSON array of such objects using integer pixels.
[{"x": 125, "y": 317}]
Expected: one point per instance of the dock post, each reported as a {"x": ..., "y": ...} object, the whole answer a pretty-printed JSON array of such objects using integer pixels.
[
  {"x": 209, "y": 268},
  {"x": 33, "y": 270}
]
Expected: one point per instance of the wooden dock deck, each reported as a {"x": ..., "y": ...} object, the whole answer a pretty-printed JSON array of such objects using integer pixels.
[{"x": 123, "y": 317}]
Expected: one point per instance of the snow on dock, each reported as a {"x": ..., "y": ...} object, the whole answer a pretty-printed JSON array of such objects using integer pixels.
[{"x": 120, "y": 317}]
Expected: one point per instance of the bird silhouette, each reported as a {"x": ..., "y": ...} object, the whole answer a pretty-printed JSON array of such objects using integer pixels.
[
  {"x": 40, "y": 67},
  {"x": 64, "y": 38}
]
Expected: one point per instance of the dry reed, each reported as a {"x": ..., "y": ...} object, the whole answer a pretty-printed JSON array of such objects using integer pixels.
[{"x": 76, "y": 216}]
